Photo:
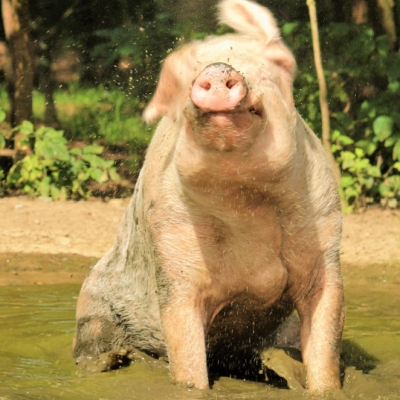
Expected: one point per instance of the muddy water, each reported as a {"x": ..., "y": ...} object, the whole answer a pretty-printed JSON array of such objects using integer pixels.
[{"x": 37, "y": 324}]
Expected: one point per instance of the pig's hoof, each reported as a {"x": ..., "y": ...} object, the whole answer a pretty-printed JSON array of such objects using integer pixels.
[
  {"x": 112, "y": 360},
  {"x": 104, "y": 362}
]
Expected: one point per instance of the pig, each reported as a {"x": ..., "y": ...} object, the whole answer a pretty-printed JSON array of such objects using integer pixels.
[{"x": 235, "y": 221}]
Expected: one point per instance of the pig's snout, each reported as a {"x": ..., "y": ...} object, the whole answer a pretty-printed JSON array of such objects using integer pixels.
[{"x": 218, "y": 88}]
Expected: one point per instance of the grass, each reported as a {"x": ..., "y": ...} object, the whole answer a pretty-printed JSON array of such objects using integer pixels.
[{"x": 97, "y": 114}]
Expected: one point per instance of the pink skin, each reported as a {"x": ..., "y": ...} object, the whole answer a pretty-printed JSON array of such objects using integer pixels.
[
  {"x": 218, "y": 88},
  {"x": 222, "y": 112},
  {"x": 235, "y": 219}
]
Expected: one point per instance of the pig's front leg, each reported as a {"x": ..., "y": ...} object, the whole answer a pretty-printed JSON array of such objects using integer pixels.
[
  {"x": 322, "y": 317},
  {"x": 184, "y": 329}
]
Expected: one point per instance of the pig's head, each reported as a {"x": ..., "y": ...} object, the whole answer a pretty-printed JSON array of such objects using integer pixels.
[{"x": 224, "y": 91}]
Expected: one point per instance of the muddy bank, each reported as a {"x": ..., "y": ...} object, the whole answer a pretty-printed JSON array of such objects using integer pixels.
[
  {"x": 66, "y": 227},
  {"x": 43, "y": 269},
  {"x": 76, "y": 234}
]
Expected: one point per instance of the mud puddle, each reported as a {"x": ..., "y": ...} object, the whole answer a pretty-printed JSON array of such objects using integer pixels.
[{"x": 37, "y": 325}]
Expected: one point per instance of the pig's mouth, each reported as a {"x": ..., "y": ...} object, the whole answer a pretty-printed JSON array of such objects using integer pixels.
[
  {"x": 253, "y": 110},
  {"x": 226, "y": 130},
  {"x": 258, "y": 111}
]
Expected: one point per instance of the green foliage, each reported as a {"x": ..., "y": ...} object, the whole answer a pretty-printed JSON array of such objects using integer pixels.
[
  {"x": 137, "y": 49},
  {"x": 91, "y": 114},
  {"x": 2, "y": 145},
  {"x": 55, "y": 171},
  {"x": 362, "y": 73},
  {"x": 98, "y": 114},
  {"x": 363, "y": 78}
]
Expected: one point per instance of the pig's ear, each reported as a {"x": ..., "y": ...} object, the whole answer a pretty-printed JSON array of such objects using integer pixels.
[
  {"x": 253, "y": 20},
  {"x": 169, "y": 92}
]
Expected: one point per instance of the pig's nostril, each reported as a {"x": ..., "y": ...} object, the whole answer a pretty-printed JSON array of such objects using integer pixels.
[
  {"x": 205, "y": 85},
  {"x": 231, "y": 83},
  {"x": 218, "y": 88}
]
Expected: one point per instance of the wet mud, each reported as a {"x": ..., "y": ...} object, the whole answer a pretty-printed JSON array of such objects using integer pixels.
[{"x": 37, "y": 324}]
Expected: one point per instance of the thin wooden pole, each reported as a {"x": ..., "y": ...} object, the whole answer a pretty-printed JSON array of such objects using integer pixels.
[{"x": 323, "y": 97}]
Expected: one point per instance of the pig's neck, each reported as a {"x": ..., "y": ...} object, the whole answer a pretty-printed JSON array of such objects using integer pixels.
[{"x": 242, "y": 184}]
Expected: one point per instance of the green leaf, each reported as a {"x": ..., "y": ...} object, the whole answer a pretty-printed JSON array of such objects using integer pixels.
[
  {"x": 367, "y": 146},
  {"x": 26, "y": 128},
  {"x": 335, "y": 135},
  {"x": 385, "y": 190},
  {"x": 51, "y": 149},
  {"x": 346, "y": 181},
  {"x": 76, "y": 151},
  {"x": 391, "y": 140},
  {"x": 93, "y": 149},
  {"x": 96, "y": 161},
  {"x": 44, "y": 187},
  {"x": 289, "y": 27},
  {"x": 2, "y": 115},
  {"x": 108, "y": 164},
  {"x": 345, "y": 140},
  {"x": 84, "y": 174},
  {"x": 99, "y": 175},
  {"x": 359, "y": 152},
  {"x": 351, "y": 192},
  {"x": 55, "y": 192},
  {"x": 63, "y": 193},
  {"x": 396, "y": 151},
  {"x": 347, "y": 159},
  {"x": 114, "y": 176},
  {"x": 51, "y": 134},
  {"x": 367, "y": 182},
  {"x": 374, "y": 171},
  {"x": 382, "y": 127},
  {"x": 2, "y": 141},
  {"x": 335, "y": 148},
  {"x": 77, "y": 165},
  {"x": 76, "y": 185}
]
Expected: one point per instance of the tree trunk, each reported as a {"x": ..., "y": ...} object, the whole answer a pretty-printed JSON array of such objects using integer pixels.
[
  {"x": 20, "y": 84},
  {"x": 323, "y": 98},
  {"x": 47, "y": 85},
  {"x": 387, "y": 20},
  {"x": 380, "y": 14}
]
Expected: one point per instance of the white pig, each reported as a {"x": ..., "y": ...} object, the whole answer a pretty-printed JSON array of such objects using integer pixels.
[{"x": 235, "y": 220}]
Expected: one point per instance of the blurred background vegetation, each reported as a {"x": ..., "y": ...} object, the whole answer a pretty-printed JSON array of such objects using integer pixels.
[{"x": 95, "y": 64}]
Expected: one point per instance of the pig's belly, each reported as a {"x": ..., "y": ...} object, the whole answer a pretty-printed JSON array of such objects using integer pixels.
[{"x": 256, "y": 305}]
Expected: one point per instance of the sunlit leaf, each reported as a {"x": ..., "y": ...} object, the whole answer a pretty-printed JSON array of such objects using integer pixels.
[
  {"x": 114, "y": 176},
  {"x": 289, "y": 27},
  {"x": 345, "y": 140},
  {"x": 2, "y": 141},
  {"x": 346, "y": 181},
  {"x": 92, "y": 149},
  {"x": 367, "y": 146},
  {"x": 382, "y": 127},
  {"x": 76, "y": 151},
  {"x": 396, "y": 150},
  {"x": 99, "y": 175},
  {"x": 26, "y": 128}
]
